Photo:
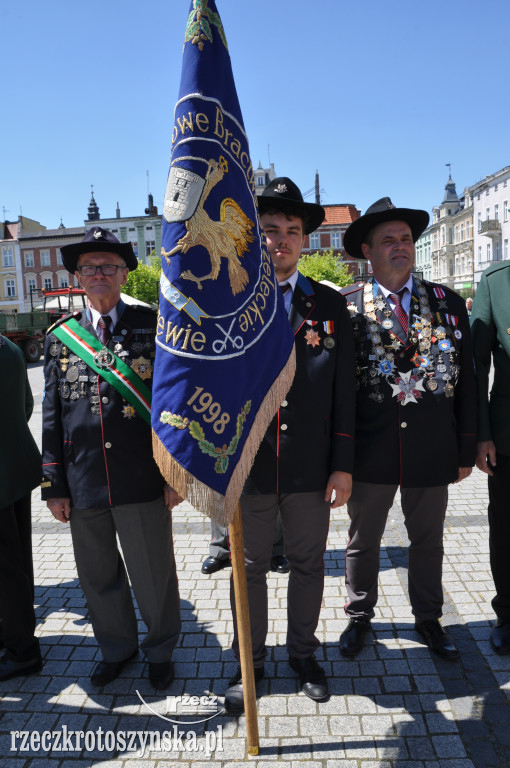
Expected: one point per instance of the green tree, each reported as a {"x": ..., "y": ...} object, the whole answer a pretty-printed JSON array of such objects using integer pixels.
[
  {"x": 325, "y": 266},
  {"x": 142, "y": 283}
]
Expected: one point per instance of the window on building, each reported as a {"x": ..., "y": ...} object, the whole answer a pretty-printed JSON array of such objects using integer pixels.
[
  {"x": 260, "y": 181},
  {"x": 29, "y": 259},
  {"x": 47, "y": 284},
  {"x": 315, "y": 241},
  {"x": 7, "y": 256},
  {"x": 59, "y": 258},
  {"x": 10, "y": 288},
  {"x": 45, "y": 259},
  {"x": 488, "y": 251},
  {"x": 31, "y": 285},
  {"x": 462, "y": 233},
  {"x": 479, "y": 221},
  {"x": 452, "y": 268},
  {"x": 479, "y": 254},
  {"x": 468, "y": 228},
  {"x": 496, "y": 251},
  {"x": 336, "y": 239},
  {"x": 150, "y": 246},
  {"x": 505, "y": 210},
  {"x": 63, "y": 282},
  {"x": 450, "y": 235},
  {"x": 505, "y": 250},
  {"x": 487, "y": 214},
  {"x": 496, "y": 212}
]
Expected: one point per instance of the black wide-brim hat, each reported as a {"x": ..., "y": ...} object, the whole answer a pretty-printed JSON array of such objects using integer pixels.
[
  {"x": 282, "y": 194},
  {"x": 97, "y": 239},
  {"x": 382, "y": 210}
]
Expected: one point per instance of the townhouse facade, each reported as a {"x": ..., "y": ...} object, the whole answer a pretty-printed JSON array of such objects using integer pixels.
[
  {"x": 330, "y": 234},
  {"x": 491, "y": 214}
]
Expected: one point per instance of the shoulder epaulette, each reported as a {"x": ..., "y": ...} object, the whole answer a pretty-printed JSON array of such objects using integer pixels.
[
  {"x": 141, "y": 308},
  {"x": 348, "y": 289},
  {"x": 496, "y": 268},
  {"x": 76, "y": 314}
]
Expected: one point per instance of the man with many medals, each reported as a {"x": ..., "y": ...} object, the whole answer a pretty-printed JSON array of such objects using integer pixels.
[
  {"x": 98, "y": 468},
  {"x": 416, "y": 418}
]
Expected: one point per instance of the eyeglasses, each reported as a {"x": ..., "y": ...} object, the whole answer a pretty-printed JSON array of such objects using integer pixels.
[{"x": 107, "y": 269}]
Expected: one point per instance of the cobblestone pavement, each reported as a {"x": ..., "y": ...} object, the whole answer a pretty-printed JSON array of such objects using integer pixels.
[{"x": 394, "y": 706}]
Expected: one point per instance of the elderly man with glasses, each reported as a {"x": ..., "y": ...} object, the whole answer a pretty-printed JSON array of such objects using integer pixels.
[{"x": 98, "y": 470}]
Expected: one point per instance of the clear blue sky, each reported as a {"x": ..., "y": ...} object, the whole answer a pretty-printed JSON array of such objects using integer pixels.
[{"x": 377, "y": 96}]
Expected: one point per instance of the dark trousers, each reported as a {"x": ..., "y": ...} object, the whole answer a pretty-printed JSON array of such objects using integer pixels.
[
  {"x": 145, "y": 535},
  {"x": 424, "y": 512},
  {"x": 499, "y": 534},
  {"x": 305, "y": 519},
  {"x": 17, "y": 581},
  {"x": 219, "y": 546}
]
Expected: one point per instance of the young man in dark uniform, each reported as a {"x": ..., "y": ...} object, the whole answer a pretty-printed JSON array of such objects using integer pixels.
[
  {"x": 415, "y": 417},
  {"x": 99, "y": 472},
  {"x": 303, "y": 466}
]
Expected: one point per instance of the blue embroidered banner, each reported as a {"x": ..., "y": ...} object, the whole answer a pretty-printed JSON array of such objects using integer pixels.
[{"x": 224, "y": 347}]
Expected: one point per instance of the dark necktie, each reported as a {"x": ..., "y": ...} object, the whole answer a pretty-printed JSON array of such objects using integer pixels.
[
  {"x": 103, "y": 329},
  {"x": 284, "y": 288},
  {"x": 399, "y": 309}
]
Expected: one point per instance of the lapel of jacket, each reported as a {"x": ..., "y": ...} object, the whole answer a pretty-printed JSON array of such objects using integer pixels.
[
  {"x": 123, "y": 322},
  {"x": 397, "y": 329},
  {"x": 123, "y": 317},
  {"x": 303, "y": 303}
]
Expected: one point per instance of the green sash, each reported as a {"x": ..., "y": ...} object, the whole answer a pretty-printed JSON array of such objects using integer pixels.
[{"x": 106, "y": 364}]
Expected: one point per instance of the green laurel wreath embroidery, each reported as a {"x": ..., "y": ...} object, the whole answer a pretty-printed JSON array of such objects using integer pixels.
[
  {"x": 221, "y": 454},
  {"x": 198, "y": 28}
]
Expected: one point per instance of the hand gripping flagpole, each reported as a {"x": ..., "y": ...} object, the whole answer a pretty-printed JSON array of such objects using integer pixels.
[{"x": 235, "y": 531}]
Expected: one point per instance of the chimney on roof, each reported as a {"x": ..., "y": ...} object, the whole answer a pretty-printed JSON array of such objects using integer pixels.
[
  {"x": 117, "y": 211},
  {"x": 151, "y": 209},
  {"x": 317, "y": 189}
]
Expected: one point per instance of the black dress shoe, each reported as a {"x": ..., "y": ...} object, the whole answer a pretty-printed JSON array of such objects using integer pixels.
[
  {"x": 234, "y": 696},
  {"x": 500, "y": 636},
  {"x": 106, "y": 671},
  {"x": 352, "y": 638},
  {"x": 437, "y": 638},
  {"x": 311, "y": 677},
  {"x": 161, "y": 673},
  {"x": 12, "y": 668},
  {"x": 280, "y": 564},
  {"x": 212, "y": 564}
]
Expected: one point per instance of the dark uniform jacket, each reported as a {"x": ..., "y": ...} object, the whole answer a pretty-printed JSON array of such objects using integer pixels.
[
  {"x": 312, "y": 433},
  {"x": 20, "y": 460},
  {"x": 97, "y": 449},
  {"x": 416, "y": 401},
  {"x": 490, "y": 327}
]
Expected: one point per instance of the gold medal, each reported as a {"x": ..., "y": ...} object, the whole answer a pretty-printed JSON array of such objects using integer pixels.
[
  {"x": 311, "y": 336},
  {"x": 143, "y": 367}
]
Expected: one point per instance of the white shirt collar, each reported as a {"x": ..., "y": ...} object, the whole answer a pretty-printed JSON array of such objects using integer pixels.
[{"x": 95, "y": 315}]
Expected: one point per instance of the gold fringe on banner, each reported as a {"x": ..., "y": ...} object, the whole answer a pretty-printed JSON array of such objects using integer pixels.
[{"x": 203, "y": 498}]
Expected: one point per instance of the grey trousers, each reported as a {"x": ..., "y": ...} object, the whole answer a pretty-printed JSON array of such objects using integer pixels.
[
  {"x": 305, "y": 521},
  {"x": 424, "y": 513},
  {"x": 145, "y": 535},
  {"x": 219, "y": 546}
]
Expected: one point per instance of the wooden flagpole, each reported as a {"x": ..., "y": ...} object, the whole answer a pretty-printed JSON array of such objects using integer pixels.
[{"x": 235, "y": 531}]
